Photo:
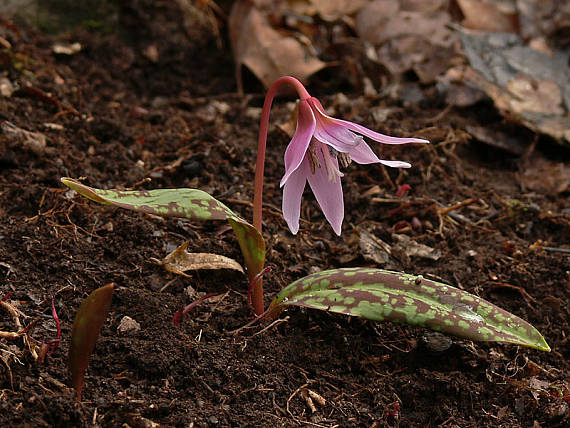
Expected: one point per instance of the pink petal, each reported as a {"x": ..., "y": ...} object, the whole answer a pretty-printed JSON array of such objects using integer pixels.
[
  {"x": 329, "y": 132},
  {"x": 328, "y": 195},
  {"x": 296, "y": 149},
  {"x": 396, "y": 164},
  {"x": 292, "y": 193},
  {"x": 363, "y": 154},
  {"x": 376, "y": 136}
]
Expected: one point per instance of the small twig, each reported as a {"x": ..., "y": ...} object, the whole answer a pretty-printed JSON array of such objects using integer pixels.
[
  {"x": 273, "y": 324},
  {"x": 521, "y": 290},
  {"x": 293, "y": 395},
  {"x": 13, "y": 311},
  {"x": 139, "y": 183},
  {"x": 226, "y": 294},
  {"x": 169, "y": 283},
  {"x": 440, "y": 115},
  {"x": 443, "y": 211},
  {"x": 252, "y": 322},
  {"x": 556, "y": 250},
  {"x": 387, "y": 177}
]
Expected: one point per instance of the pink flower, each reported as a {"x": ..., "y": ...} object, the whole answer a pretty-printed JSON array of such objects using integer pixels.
[{"x": 313, "y": 155}]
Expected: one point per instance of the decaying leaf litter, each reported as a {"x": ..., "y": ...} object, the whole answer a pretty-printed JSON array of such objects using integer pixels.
[{"x": 504, "y": 241}]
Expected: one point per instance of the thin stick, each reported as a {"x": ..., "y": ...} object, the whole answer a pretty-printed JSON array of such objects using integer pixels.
[{"x": 454, "y": 207}]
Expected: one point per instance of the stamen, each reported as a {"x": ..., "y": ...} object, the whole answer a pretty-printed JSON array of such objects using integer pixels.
[
  {"x": 332, "y": 170},
  {"x": 313, "y": 158},
  {"x": 344, "y": 159}
]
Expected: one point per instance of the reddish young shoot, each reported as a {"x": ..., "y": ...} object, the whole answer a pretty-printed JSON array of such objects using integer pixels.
[{"x": 177, "y": 318}]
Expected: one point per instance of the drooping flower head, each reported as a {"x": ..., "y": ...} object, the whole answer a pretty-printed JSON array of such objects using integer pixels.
[{"x": 319, "y": 144}]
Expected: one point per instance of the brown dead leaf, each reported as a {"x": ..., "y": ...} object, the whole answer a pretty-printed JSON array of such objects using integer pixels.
[
  {"x": 328, "y": 10},
  {"x": 489, "y": 15},
  {"x": 538, "y": 386},
  {"x": 384, "y": 20},
  {"x": 495, "y": 137},
  {"x": 268, "y": 53},
  {"x": 409, "y": 35},
  {"x": 372, "y": 248},
  {"x": 180, "y": 261},
  {"x": 33, "y": 141},
  {"x": 526, "y": 85},
  {"x": 546, "y": 176},
  {"x": 414, "y": 249},
  {"x": 543, "y": 116},
  {"x": 535, "y": 96}
]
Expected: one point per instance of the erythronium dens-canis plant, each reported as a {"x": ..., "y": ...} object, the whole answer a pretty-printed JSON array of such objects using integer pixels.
[{"x": 313, "y": 155}]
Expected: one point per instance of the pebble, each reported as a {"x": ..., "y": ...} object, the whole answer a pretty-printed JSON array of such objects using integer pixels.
[
  {"x": 128, "y": 326},
  {"x": 471, "y": 253},
  {"x": 436, "y": 342}
]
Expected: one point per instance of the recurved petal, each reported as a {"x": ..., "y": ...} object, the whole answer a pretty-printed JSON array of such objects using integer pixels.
[
  {"x": 328, "y": 195},
  {"x": 295, "y": 152},
  {"x": 337, "y": 136},
  {"x": 395, "y": 164},
  {"x": 376, "y": 136},
  {"x": 292, "y": 193},
  {"x": 363, "y": 154}
]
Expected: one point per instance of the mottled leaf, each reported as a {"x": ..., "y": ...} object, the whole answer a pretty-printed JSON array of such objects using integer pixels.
[
  {"x": 392, "y": 296},
  {"x": 86, "y": 327},
  {"x": 192, "y": 204}
]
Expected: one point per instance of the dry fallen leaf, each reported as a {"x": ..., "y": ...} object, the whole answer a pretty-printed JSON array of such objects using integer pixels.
[
  {"x": 180, "y": 261},
  {"x": 268, "y": 53},
  {"x": 489, "y": 15},
  {"x": 372, "y": 248},
  {"x": 525, "y": 84},
  {"x": 538, "y": 386},
  {"x": 495, "y": 137},
  {"x": 546, "y": 176},
  {"x": 33, "y": 141},
  {"x": 414, "y": 249},
  {"x": 409, "y": 35},
  {"x": 328, "y": 10}
]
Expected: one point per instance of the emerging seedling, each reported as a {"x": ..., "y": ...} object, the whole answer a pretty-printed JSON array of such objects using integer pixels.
[{"x": 86, "y": 327}]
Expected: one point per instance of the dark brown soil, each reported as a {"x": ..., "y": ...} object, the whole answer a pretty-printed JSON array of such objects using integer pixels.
[{"x": 122, "y": 118}]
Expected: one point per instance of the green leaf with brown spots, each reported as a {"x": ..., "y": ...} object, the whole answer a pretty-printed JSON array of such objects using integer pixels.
[
  {"x": 192, "y": 204},
  {"x": 383, "y": 295},
  {"x": 86, "y": 327}
]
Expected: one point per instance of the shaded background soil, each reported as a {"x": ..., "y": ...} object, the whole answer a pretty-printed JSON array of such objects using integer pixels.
[{"x": 122, "y": 119}]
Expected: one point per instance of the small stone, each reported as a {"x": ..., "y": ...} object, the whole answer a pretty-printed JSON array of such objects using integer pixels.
[
  {"x": 128, "y": 326},
  {"x": 471, "y": 254},
  {"x": 6, "y": 87},
  {"x": 190, "y": 292},
  {"x": 213, "y": 420}
]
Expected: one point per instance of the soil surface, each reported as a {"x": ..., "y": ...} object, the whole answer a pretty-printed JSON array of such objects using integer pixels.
[{"x": 123, "y": 116}]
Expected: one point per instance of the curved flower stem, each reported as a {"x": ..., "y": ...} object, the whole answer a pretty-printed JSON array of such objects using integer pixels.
[
  {"x": 258, "y": 306},
  {"x": 262, "y": 141}
]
